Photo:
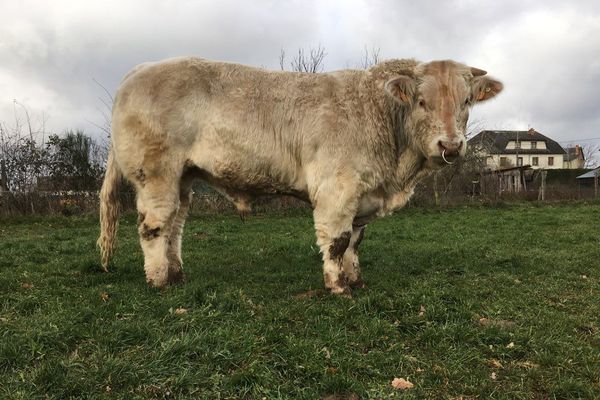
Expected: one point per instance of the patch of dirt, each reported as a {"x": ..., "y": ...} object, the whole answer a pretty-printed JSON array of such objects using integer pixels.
[
  {"x": 201, "y": 235},
  {"x": 586, "y": 330},
  {"x": 347, "y": 396},
  {"x": 500, "y": 323},
  {"x": 311, "y": 293}
]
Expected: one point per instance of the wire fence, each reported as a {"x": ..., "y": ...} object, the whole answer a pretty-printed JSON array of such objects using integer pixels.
[{"x": 432, "y": 192}]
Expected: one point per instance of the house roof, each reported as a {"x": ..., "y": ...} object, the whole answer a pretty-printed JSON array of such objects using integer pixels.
[
  {"x": 495, "y": 142},
  {"x": 574, "y": 153},
  {"x": 589, "y": 174}
]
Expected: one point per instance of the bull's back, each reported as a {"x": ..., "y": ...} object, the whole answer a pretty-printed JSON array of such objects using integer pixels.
[{"x": 238, "y": 124}]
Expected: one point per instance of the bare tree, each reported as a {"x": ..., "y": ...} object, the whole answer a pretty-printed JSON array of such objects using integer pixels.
[
  {"x": 310, "y": 62},
  {"x": 591, "y": 154},
  {"x": 22, "y": 159},
  {"x": 282, "y": 60},
  {"x": 370, "y": 58},
  {"x": 105, "y": 110}
]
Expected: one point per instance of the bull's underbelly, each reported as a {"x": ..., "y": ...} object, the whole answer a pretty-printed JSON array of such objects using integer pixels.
[{"x": 243, "y": 186}]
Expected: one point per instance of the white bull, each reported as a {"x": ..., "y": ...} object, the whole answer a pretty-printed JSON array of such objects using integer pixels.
[{"x": 353, "y": 143}]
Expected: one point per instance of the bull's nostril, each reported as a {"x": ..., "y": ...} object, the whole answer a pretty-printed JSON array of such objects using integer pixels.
[{"x": 460, "y": 146}]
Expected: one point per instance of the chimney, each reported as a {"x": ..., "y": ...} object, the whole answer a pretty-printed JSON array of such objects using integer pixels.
[
  {"x": 531, "y": 131},
  {"x": 577, "y": 150}
]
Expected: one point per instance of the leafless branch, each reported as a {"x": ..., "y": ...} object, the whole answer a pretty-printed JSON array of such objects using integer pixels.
[
  {"x": 105, "y": 90},
  {"x": 303, "y": 62},
  {"x": 370, "y": 58},
  {"x": 282, "y": 60}
]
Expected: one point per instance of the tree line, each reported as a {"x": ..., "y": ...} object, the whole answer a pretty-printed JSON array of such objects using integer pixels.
[{"x": 32, "y": 162}]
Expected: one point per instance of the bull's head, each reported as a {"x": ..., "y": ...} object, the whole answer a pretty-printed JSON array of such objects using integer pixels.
[{"x": 436, "y": 102}]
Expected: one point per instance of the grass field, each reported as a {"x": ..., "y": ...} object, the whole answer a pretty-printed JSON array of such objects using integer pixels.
[{"x": 499, "y": 303}]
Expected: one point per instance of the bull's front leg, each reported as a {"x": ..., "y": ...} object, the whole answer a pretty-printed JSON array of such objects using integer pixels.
[
  {"x": 333, "y": 225},
  {"x": 351, "y": 265}
]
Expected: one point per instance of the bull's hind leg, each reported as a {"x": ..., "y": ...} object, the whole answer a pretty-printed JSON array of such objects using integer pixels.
[
  {"x": 174, "y": 248},
  {"x": 351, "y": 265},
  {"x": 158, "y": 204}
]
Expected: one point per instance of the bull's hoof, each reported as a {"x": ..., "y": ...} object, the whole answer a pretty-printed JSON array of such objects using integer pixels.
[
  {"x": 173, "y": 279},
  {"x": 176, "y": 275},
  {"x": 157, "y": 277},
  {"x": 358, "y": 284},
  {"x": 156, "y": 283},
  {"x": 338, "y": 285},
  {"x": 343, "y": 291}
]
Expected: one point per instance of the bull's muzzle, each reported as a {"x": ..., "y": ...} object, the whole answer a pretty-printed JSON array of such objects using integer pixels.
[{"x": 450, "y": 151}]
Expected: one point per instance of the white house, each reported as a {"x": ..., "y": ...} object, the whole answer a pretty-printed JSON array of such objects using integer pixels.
[{"x": 505, "y": 149}]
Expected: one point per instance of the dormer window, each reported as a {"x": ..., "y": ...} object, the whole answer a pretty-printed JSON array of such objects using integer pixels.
[{"x": 534, "y": 145}]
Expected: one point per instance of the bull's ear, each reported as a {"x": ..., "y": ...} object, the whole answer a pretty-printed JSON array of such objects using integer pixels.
[
  {"x": 484, "y": 88},
  {"x": 401, "y": 88}
]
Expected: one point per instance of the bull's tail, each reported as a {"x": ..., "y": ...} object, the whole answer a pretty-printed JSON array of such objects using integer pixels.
[{"x": 109, "y": 209}]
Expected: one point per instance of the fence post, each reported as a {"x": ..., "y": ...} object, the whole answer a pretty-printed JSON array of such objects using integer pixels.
[
  {"x": 596, "y": 174},
  {"x": 542, "y": 193}
]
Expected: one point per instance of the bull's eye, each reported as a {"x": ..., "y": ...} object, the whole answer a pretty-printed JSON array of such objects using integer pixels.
[
  {"x": 422, "y": 103},
  {"x": 467, "y": 101}
]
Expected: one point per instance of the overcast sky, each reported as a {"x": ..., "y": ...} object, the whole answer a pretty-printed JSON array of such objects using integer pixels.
[{"x": 547, "y": 53}]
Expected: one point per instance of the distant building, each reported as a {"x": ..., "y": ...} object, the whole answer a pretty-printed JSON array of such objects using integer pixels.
[
  {"x": 506, "y": 149},
  {"x": 574, "y": 159},
  {"x": 587, "y": 179}
]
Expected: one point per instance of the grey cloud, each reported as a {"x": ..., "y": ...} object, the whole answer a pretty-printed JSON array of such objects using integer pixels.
[{"x": 546, "y": 53}]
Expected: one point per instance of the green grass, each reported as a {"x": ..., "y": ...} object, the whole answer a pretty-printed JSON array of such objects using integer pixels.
[{"x": 68, "y": 330}]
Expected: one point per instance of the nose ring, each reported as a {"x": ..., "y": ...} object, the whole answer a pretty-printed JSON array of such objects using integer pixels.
[{"x": 444, "y": 158}]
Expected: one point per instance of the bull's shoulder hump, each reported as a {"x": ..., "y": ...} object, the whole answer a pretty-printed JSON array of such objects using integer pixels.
[{"x": 167, "y": 64}]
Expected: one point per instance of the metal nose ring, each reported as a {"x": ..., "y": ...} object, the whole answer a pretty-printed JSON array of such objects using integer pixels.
[{"x": 444, "y": 158}]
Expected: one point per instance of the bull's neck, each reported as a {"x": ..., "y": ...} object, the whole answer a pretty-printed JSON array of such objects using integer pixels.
[
  {"x": 409, "y": 168},
  {"x": 407, "y": 161},
  {"x": 401, "y": 163}
]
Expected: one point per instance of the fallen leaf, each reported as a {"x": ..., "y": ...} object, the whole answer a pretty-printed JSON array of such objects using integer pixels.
[
  {"x": 402, "y": 384},
  {"x": 421, "y": 310},
  {"x": 181, "y": 310},
  {"x": 104, "y": 296},
  {"x": 26, "y": 285},
  {"x": 419, "y": 370},
  {"x": 584, "y": 277},
  {"x": 510, "y": 345},
  {"x": 494, "y": 363},
  {"x": 527, "y": 364},
  {"x": 332, "y": 370},
  {"x": 493, "y": 376}
]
